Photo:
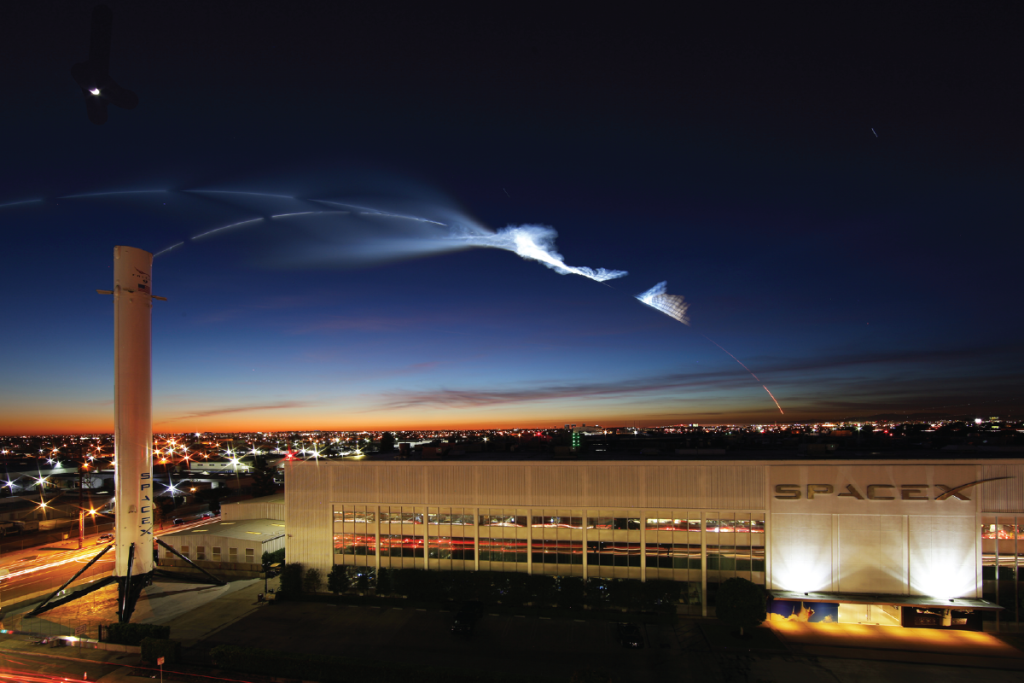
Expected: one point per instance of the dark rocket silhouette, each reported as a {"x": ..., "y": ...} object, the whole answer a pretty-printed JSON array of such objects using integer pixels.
[{"x": 92, "y": 76}]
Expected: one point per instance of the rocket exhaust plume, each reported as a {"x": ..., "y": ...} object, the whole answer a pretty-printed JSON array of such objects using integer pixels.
[
  {"x": 535, "y": 243},
  {"x": 671, "y": 305}
]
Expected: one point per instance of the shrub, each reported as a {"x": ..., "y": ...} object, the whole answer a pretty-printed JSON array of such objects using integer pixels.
[
  {"x": 570, "y": 591},
  {"x": 625, "y": 593},
  {"x": 598, "y": 592},
  {"x": 384, "y": 581},
  {"x": 337, "y": 579},
  {"x": 153, "y": 648},
  {"x": 660, "y": 594},
  {"x": 740, "y": 604},
  {"x": 291, "y": 578},
  {"x": 516, "y": 589},
  {"x": 132, "y": 634},
  {"x": 312, "y": 581},
  {"x": 363, "y": 581},
  {"x": 408, "y": 582},
  {"x": 543, "y": 590}
]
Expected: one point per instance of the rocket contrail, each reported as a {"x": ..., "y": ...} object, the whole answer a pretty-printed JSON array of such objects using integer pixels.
[
  {"x": 454, "y": 232},
  {"x": 747, "y": 369},
  {"x": 675, "y": 307}
]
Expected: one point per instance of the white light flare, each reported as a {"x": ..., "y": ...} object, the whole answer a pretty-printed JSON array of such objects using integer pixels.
[
  {"x": 94, "y": 91},
  {"x": 672, "y": 305}
]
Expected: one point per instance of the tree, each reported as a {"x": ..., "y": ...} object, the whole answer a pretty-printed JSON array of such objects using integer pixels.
[
  {"x": 211, "y": 497},
  {"x": 337, "y": 579},
  {"x": 363, "y": 581},
  {"x": 383, "y": 581},
  {"x": 741, "y": 604},
  {"x": 387, "y": 442},
  {"x": 312, "y": 581},
  {"x": 291, "y": 578},
  {"x": 571, "y": 591},
  {"x": 262, "y": 479}
]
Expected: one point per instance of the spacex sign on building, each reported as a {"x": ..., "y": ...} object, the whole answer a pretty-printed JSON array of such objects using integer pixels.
[{"x": 876, "y": 491}]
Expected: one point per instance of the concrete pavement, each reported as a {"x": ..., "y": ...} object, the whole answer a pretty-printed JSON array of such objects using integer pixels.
[{"x": 193, "y": 611}]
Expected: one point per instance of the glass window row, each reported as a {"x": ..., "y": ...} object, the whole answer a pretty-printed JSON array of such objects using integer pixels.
[
  {"x": 410, "y": 515},
  {"x": 544, "y": 551}
]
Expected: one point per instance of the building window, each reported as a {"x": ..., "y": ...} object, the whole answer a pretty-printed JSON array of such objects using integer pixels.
[
  {"x": 613, "y": 554},
  {"x": 233, "y": 554},
  {"x": 999, "y": 531},
  {"x": 250, "y": 555},
  {"x": 449, "y": 517},
  {"x": 501, "y": 519},
  {"x": 558, "y": 522},
  {"x": 355, "y": 544},
  {"x": 200, "y": 552},
  {"x": 618, "y": 523},
  {"x": 397, "y": 515},
  {"x": 502, "y": 549},
  {"x": 673, "y": 556},
  {"x": 359, "y": 515},
  {"x": 662, "y": 524},
  {"x": 450, "y": 548},
  {"x": 184, "y": 550},
  {"x": 558, "y": 552},
  {"x": 399, "y": 545}
]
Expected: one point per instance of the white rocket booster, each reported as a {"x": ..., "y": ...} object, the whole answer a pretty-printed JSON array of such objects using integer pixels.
[{"x": 133, "y": 423}]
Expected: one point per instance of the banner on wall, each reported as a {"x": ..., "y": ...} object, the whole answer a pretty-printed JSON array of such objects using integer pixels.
[{"x": 798, "y": 610}]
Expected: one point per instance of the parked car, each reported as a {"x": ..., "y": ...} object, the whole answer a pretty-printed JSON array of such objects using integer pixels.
[
  {"x": 207, "y": 515},
  {"x": 629, "y": 635},
  {"x": 178, "y": 521},
  {"x": 105, "y": 538}
]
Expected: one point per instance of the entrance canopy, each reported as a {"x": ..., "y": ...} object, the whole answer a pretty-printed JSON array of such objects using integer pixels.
[{"x": 898, "y": 600}]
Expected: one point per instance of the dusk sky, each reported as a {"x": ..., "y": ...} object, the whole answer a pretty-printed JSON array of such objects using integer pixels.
[{"x": 836, "y": 194}]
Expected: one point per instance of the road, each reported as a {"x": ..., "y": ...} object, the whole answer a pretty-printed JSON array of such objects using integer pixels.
[{"x": 47, "y": 567}]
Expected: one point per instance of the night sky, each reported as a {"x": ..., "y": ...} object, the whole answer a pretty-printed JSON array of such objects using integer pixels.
[{"x": 836, "y": 193}]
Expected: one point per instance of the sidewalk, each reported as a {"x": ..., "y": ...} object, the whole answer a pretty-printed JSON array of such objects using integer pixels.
[
  {"x": 207, "y": 617},
  {"x": 895, "y": 644}
]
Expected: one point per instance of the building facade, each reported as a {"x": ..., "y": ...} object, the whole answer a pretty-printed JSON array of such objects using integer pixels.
[{"x": 858, "y": 539}]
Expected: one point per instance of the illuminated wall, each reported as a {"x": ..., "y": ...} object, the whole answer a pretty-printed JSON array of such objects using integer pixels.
[{"x": 875, "y": 528}]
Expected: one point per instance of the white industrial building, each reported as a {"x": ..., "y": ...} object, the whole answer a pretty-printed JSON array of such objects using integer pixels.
[
  {"x": 872, "y": 541},
  {"x": 235, "y": 544}
]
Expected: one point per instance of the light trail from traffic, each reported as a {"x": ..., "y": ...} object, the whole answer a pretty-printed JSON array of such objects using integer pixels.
[{"x": 85, "y": 554}]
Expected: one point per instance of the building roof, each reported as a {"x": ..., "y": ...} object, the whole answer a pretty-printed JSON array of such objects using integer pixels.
[
  {"x": 710, "y": 455},
  {"x": 243, "y": 530}
]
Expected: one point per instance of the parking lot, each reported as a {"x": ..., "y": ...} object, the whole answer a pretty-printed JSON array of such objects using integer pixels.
[{"x": 541, "y": 649}]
